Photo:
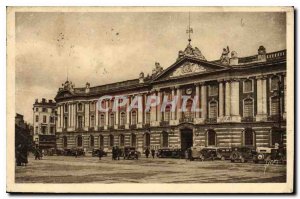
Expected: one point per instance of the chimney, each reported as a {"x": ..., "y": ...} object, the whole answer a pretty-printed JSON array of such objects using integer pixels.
[{"x": 234, "y": 60}]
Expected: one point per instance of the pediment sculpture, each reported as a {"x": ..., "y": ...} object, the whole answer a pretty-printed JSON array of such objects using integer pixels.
[{"x": 188, "y": 68}]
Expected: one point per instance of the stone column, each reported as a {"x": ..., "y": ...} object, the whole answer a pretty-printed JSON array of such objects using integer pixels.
[
  {"x": 197, "y": 114},
  {"x": 140, "y": 112},
  {"x": 128, "y": 113},
  {"x": 173, "y": 114},
  {"x": 178, "y": 107},
  {"x": 69, "y": 115},
  {"x": 58, "y": 118},
  {"x": 153, "y": 110},
  {"x": 261, "y": 99},
  {"x": 96, "y": 116},
  {"x": 235, "y": 101},
  {"x": 74, "y": 115},
  {"x": 227, "y": 98},
  {"x": 117, "y": 113},
  {"x": 106, "y": 113},
  {"x": 158, "y": 107},
  {"x": 86, "y": 115},
  {"x": 221, "y": 99},
  {"x": 203, "y": 101}
]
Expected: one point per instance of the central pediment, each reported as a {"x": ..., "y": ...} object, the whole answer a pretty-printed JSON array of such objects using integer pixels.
[{"x": 187, "y": 68}]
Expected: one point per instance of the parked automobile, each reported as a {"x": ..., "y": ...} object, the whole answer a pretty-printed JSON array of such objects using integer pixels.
[
  {"x": 95, "y": 153},
  {"x": 278, "y": 155},
  {"x": 242, "y": 154},
  {"x": 263, "y": 154},
  {"x": 208, "y": 154},
  {"x": 224, "y": 153},
  {"x": 130, "y": 153},
  {"x": 169, "y": 153},
  {"x": 74, "y": 152}
]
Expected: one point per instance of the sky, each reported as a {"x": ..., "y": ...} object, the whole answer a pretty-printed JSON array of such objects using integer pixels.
[{"x": 103, "y": 47}]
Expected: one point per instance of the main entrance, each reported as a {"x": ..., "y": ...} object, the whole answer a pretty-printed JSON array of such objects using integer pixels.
[{"x": 186, "y": 138}]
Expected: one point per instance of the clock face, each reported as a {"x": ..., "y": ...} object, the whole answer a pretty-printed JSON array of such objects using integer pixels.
[{"x": 188, "y": 91}]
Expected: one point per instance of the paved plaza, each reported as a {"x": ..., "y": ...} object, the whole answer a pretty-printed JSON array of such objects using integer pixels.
[{"x": 65, "y": 169}]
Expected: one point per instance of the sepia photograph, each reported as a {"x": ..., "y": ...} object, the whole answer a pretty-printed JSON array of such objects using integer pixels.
[{"x": 150, "y": 99}]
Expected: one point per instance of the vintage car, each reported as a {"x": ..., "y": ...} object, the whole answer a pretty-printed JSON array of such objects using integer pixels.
[
  {"x": 130, "y": 153},
  {"x": 242, "y": 154},
  {"x": 169, "y": 153},
  {"x": 262, "y": 155},
  {"x": 224, "y": 153},
  {"x": 74, "y": 152},
  {"x": 95, "y": 153},
  {"x": 270, "y": 155},
  {"x": 208, "y": 154}
]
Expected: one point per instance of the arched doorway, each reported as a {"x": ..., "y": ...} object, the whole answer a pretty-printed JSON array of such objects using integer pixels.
[
  {"x": 79, "y": 141},
  {"x": 186, "y": 138}
]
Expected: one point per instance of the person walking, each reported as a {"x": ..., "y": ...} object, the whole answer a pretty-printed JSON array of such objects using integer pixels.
[
  {"x": 153, "y": 153},
  {"x": 186, "y": 154},
  {"x": 113, "y": 151},
  {"x": 147, "y": 152},
  {"x": 100, "y": 154}
]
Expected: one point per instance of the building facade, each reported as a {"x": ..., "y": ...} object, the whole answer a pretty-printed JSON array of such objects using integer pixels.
[
  {"x": 242, "y": 102},
  {"x": 44, "y": 120}
]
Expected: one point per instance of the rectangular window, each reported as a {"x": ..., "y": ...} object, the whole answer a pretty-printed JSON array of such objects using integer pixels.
[
  {"x": 248, "y": 108},
  {"x": 213, "y": 90},
  {"x": 52, "y": 130},
  {"x": 43, "y": 129},
  {"x": 80, "y": 122},
  {"x": 102, "y": 120},
  {"x": 44, "y": 119},
  {"x": 248, "y": 86},
  {"x": 36, "y": 109},
  {"x": 213, "y": 110},
  {"x": 36, "y": 118},
  {"x": 274, "y": 106},
  {"x": 36, "y": 130},
  {"x": 148, "y": 117},
  {"x": 44, "y": 109}
]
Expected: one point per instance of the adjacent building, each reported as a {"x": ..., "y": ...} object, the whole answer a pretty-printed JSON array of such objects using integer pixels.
[
  {"x": 242, "y": 102},
  {"x": 44, "y": 120}
]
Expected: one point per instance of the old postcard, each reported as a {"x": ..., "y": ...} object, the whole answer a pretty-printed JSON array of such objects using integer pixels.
[{"x": 150, "y": 100}]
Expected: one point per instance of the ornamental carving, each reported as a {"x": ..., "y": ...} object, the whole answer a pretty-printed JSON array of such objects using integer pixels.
[{"x": 188, "y": 68}]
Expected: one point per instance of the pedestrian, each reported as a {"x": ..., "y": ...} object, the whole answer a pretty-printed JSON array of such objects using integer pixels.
[
  {"x": 186, "y": 154},
  {"x": 147, "y": 152},
  {"x": 153, "y": 153},
  {"x": 113, "y": 153},
  {"x": 100, "y": 153},
  {"x": 190, "y": 154},
  {"x": 76, "y": 153},
  {"x": 36, "y": 154}
]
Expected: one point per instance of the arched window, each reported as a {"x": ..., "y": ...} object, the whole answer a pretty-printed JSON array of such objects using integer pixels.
[
  {"x": 249, "y": 137},
  {"x": 248, "y": 87},
  {"x": 276, "y": 137},
  {"x": 92, "y": 120},
  {"x": 147, "y": 140},
  {"x": 79, "y": 141},
  {"x": 102, "y": 120},
  {"x": 123, "y": 118},
  {"x": 92, "y": 142},
  {"x": 133, "y": 117},
  {"x": 274, "y": 83},
  {"x": 111, "y": 140},
  {"x": 65, "y": 142},
  {"x": 80, "y": 107},
  {"x": 248, "y": 107},
  {"x": 167, "y": 114},
  {"x": 101, "y": 141},
  {"x": 213, "y": 110},
  {"x": 211, "y": 138},
  {"x": 274, "y": 105},
  {"x": 112, "y": 120},
  {"x": 188, "y": 112},
  {"x": 122, "y": 140},
  {"x": 133, "y": 140},
  {"x": 165, "y": 139}
]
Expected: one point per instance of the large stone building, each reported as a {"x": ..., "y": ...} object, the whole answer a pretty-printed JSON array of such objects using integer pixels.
[
  {"x": 44, "y": 119},
  {"x": 242, "y": 102}
]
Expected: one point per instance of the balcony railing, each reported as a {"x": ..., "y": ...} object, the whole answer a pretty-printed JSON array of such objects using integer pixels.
[
  {"x": 186, "y": 119},
  {"x": 211, "y": 120},
  {"x": 121, "y": 126},
  {"x": 132, "y": 126},
  {"x": 164, "y": 123},
  {"x": 248, "y": 119}
]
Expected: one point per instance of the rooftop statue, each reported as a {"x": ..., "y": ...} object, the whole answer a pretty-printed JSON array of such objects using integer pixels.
[{"x": 224, "y": 57}]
